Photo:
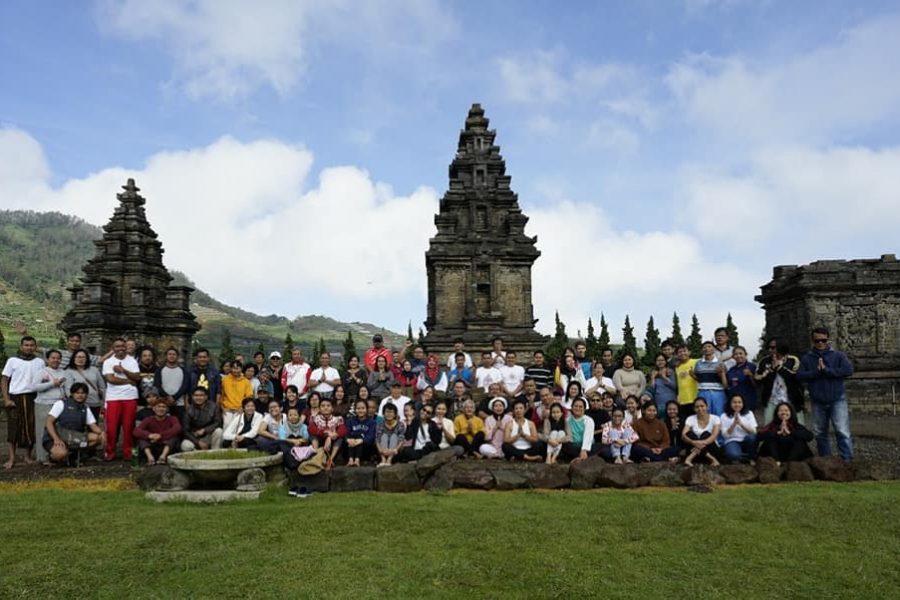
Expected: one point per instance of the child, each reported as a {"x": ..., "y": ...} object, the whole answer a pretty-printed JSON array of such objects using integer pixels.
[
  {"x": 619, "y": 436},
  {"x": 360, "y": 434},
  {"x": 389, "y": 434},
  {"x": 326, "y": 430},
  {"x": 556, "y": 431}
]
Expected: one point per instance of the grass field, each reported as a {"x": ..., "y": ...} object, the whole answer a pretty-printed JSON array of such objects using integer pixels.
[{"x": 790, "y": 541}]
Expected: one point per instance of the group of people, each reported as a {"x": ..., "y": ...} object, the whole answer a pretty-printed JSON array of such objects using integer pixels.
[{"x": 399, "y": 406}]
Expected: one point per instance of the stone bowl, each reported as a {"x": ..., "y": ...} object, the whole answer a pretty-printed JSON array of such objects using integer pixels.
[{"x": 224, "y": 471}]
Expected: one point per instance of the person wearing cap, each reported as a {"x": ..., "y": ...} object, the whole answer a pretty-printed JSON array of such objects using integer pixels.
[
  {"x": 494, "y": 426},
  {"x": 157, "y": 435},
  {"x": 375, "y": 351},
  {"x": 276, "y": 366}
]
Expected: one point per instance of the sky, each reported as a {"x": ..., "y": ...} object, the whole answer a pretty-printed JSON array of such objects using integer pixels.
[{"x": 293, "y": 154}]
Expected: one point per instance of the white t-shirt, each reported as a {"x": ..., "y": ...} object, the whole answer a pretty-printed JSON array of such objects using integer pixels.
[
  {"x": 499, "y": 357},
  {"x": 512, "y": 376},
  {"x": 23, "y": 374},
  {"x": 451, "y": 361},
  {"x": 739, "y": 432},
  {"x": 330, "y": 375},
  {"x": 691, "y": 422},
  {"x": 485, "y": 376},
  {"x": 399, "y": 403},
  {"x": 115, "y": 391},
  {"x": 606, "y": 384},
  {"x": 448, "y": 427},
  {"x": 60, "y": 406}
]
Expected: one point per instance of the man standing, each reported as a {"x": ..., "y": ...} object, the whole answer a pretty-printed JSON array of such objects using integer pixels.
[
  {"x": 461, "y": 372},
  {"x": 17, "y": 387},
  {"x": 375, "y": 351},
  {"x": 824, "y": 371},
  {"x": 513, "y": 375},
  {"x": 325, "y": 378},
  {"x": 722, "y": 350},
  {"x": 609, "y": 365},
  {"x": 204, "y": 375},
  {"x": 296, "y": 373},
  {"x": 584, "y": 363},
  {"x": 276, "y": 367},
  {"x": 172, "y": 383},
  {"x": 121, "y": 373},
  {"x": 486, "y": 374},
  {"x": 538, "y": 371},
  {"x": 459, "y": 347}
]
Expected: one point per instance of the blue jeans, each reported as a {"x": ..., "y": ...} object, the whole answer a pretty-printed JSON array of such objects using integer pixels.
[
  {"x": 715, "y": 399},
  {"x": 838, "y": 414},
  {"x": 737, "y": 451}
]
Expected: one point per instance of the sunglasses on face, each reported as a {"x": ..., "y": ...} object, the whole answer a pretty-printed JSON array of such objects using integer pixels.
[{"x": 820, "y": 340}]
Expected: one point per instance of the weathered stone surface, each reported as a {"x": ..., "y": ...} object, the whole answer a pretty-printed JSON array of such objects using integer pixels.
[
  {"x": 585, "y": 474},
  {"x": 623, "y": 476},
  {"x": 867, "y": 470},
  {"x": 202, "y": 496},
  {"x": 251, "y": 480},
  {"x": 798, "y": 471},
  {"x": 352, "y": 479},
  {"x": 471, "y": 474},
  {"x": 314, "y": 483},
  {"x": 668, "y": 476},
  {"x": 163, "y": 478},
  {"x": 769, "y": 470},
  {"x": 440, "y": 481},
  {"x": 702, "y": 475},
  {"x": 397, "y": 479},
  {"x": 830, "y": 468},
  {"x": 738, "y": 473},
  {"x": 430, "y": 463},
  {"x": 509, "y": 477},
  {"x": 549, "y": 477}
]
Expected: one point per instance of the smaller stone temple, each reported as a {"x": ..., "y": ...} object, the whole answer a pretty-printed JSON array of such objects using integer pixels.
[
  {"x": 126, "y": 288},
  {"x": 859, "y": 302},
  {"x": 479, "y": 263}
]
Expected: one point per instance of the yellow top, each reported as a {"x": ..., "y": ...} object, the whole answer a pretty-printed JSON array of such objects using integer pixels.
[
  {"x": 234, "y": 390},
  {"x": 687, "y": 385},
  {"x": 468, "y": 427}
]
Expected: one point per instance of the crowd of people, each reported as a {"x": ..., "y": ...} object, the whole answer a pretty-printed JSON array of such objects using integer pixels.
[{"x": 398, "y": 406}]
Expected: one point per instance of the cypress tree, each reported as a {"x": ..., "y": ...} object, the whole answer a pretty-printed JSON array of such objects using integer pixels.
[
  {"x": 227, "y": 352},
  {"x": 629, "y": 343},
  {"x": 695, "y": 340},
  {"x": 652, "y": 343},
  {"x": 349, "y": 350},
  {"x": 261, "y": 348},
  {"x": 731, "y": 328},
  {"x": 603, "y": 340},
  {"x": 558, "y": 343},
  {"x": 677, "y": 337},
  {"x": 593, "y": 346},
  {"x": 288, "y": 348}
]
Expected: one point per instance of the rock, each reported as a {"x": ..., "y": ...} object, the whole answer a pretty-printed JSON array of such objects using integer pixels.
[
  {"x": 251, "y": 480},
  {"x": 623, "y": 477},
  {"x": 738, "y": 473},
  {"x": 471, "y": 474},
  {"x": 352, "y": 479},
  {"x": 670, "y": 476},
  {"x": 430, "y": 463},
  {"x": 163, "y": 478},
  {"x": 585, "y": 474},
  {"x": 830, "y": 468},
  {"x": 397, "y": 478},
  {"x": 769, "y": 470},
  {"x": 702, "y": 476},
  {"x": 441, "y": 481},
  {"x": 869, "y": 470},
  {"x": 314, "y": 483},
  {"x": 509, "y": 477},
  {"x": 549, "y": 477},
  {"x": 202, "y": 496},
  {"x": 798, "y": 471}
]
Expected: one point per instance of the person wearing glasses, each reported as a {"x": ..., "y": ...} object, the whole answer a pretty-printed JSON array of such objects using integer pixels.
[
  {"x": 824, "y": 370},
  {"x": 776, "y": 376}
]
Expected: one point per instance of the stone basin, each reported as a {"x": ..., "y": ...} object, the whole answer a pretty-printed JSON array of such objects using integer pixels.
[{"x": 224, "y": 471}]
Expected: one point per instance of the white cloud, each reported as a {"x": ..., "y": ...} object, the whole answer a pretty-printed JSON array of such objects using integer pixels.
[{"x": 830, "y": 91}]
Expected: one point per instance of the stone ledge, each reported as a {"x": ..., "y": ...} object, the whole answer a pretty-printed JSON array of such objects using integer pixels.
[{"x": 202, "y": 496}]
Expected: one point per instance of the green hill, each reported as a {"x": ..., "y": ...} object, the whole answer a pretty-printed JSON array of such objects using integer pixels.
[{"x": 41, "y": 254}]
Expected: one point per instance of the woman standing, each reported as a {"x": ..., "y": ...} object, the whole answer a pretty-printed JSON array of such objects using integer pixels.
[
  {"x": 699, "y": 434},
  {"x": 711, "y": 378},
  {"x": 80, "y": 370},
  {"x": 629, "y": 381},
  {"x": 50, "y": 387},
  {"x": 354, "y": 377},
  {"x": 380, "y": 379},
  {"x": 432, "y": 376}
]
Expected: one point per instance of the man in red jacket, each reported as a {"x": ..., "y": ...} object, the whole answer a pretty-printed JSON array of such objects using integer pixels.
[{"x": 375, "y": 351}]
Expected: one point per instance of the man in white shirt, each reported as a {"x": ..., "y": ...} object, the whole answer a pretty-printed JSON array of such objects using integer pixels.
[
  {"x": 513, "y": 375},
  {"x": 498, "y": 354},
  {"x": 459, "y": 346},
  {"x": 396, "y": 397},
  {"x": 17, "y": 386},
  {"x": 722, "y": 350},
  {"x": 599, "y": 383},
  {"x": 297, "y": 373},
  {"x": 487, "y": 373},
  {"x": 121, "y": 372},
  {"x": 324, "y": 379}
]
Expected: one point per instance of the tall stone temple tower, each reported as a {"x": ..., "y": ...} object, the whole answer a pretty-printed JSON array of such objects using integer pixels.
[
  {"x": 125, "y": 290},
  {"x": 479, "y": 263}
]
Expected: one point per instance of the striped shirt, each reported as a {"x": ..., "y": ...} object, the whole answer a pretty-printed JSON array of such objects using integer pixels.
[
  {"x": 707, "y": 372},
  {"x": 542, "y": 376}
]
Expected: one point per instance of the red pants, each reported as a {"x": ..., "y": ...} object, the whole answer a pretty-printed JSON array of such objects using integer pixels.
[{"x": 120, "y": 412}]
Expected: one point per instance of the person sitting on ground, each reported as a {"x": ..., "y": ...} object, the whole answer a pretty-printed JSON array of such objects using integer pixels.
[
  {"x": 711, "y": 377},
  {"x": 674, "y": 424},
  {"x": 494, "y": 428},
  {"x": 70, "y": 426},
  {"x": 242, "y": 431},
  {"x": 327, "y": 431},
  {"x": 448, "y": 432},
  {"x": 263, "y": 398},
  {"x": 158, "y": 435},
  {"x": 483, "y": 408},
  {"x": 389, "y": 434},
  {"x": 632, "y": 410},
  {"x": 521, "y": 440},
  {"x": 313, "y": 402},
  {"x": 360, "y": 435},
  {"x": 600, "y": 416},
  {"x": 201, "y": 423},
  {"x": 422, "y": 436},
  {"x": 581, "y": 431},
  {"x": 599, "y": 383},
  {"x": 432, "y": 376},
  {"x": 268, "y": 437},
  {"x": 295, "y": 431},
  {"x": 663, "y": 383},
  {"x": 469, "y": 429},
  {"x": 380, "y": 379},
  {"x": 542, "y": 410},
  {"x": 459, "y": 371},
  {"x": 700, "y": 432},
  {"x": 784, "y": 438},
  {"x": 629, "y": 380},
  {"x": 619, "y": 436},
  {"x": 653, "y": 443},
  {"x": 556, "y": 432},
  {"x": 738, "y": 430}
]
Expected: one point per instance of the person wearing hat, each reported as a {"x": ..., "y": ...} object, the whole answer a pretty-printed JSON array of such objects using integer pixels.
[
  {"x": 158, "y": 434},
  {"x": 494, "y": 426},
  {"x": 275, "y": 366},
  {"x": 375, "y": 351}
]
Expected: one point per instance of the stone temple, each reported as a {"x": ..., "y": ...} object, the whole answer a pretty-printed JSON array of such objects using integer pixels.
[
  {"x": 479, "y": 263},
  {"x": 126, "y": 288},
  {"x": 859, "y": 302}
]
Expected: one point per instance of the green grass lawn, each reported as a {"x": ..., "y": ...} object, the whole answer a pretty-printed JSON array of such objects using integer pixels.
[{"x": 789, "y": 541}]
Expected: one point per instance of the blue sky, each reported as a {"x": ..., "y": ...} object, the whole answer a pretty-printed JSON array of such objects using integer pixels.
[{"x": 668, "y": 153}]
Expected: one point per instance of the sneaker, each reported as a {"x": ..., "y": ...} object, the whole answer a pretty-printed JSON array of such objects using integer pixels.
[
  {"x": 303, "y": 492},
  {"x": 293, "y": 492}
]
